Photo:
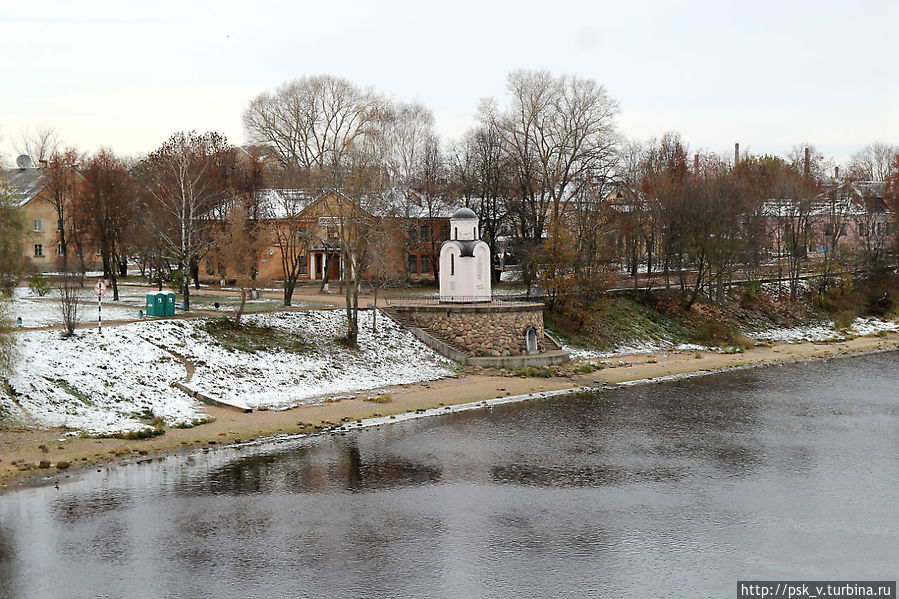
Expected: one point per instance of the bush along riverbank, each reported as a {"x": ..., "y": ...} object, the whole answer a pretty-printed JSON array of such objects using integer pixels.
[{"x": 744, "y": 316}]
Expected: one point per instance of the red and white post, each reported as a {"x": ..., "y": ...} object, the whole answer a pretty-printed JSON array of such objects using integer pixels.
[{"x": 100, "y": 290}]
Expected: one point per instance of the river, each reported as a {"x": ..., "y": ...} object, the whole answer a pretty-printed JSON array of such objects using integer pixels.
[{"x": 674, "y": 489}]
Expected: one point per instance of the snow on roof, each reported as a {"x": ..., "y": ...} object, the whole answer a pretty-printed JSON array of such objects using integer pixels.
[
  {"x": 464, "y": 214},
  {"x": 284, "y": 203},
  {"x": 25, "y": 182},
  {"x": 407, "y": 203}
]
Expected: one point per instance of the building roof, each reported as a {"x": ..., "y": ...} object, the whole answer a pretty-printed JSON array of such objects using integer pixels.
[
  {"x": 283, "y": 203},
  {"x": 25, "y": 182},
  {"x": 464, "y": 214}
]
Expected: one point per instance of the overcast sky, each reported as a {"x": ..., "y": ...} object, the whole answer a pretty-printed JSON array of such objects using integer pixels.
[{"x": 767, "y": 74}]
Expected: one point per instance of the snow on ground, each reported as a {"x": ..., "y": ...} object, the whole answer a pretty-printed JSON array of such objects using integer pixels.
[
  {"x": 119, "y": 380},
  {"x": 279, "y": 379},
  {"x": 44, "y": 311},
  {"x": 631, "y": 348},
  {"x": 799, "y": 334},
  {"x": 510, "y": 276},
  {"x": 825, "y": 331},
  {"x": 872, "y": 326},
  {"x": 815, "y": 332},
  {"x": 99, "y": 383}
]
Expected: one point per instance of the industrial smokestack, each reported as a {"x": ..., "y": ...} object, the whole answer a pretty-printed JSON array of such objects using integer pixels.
[
  {"x": 736, "y": 153},
  {"x": 807, "y": 165},
  {"x": 836, "y": 172}
]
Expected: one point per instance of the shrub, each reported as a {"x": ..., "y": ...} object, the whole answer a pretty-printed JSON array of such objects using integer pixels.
[
  {"x": 717, "y": 333},
  {"x": 347, "y": 342},
  {"x": 712, "y": 332},
  {"x": 38, "y": 284},
  {"x": 750, "y": 293},
  {"x": 382, "y": 398},
  {"x": 250, "y": 337},
  {"x": 195, "y": 422},
  {"x": 843, "y": 320},
  {"x": 176, "y": 283},
  {"x": 530, "y": 371}
]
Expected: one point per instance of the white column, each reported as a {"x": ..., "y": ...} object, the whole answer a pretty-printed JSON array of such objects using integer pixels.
[{"x": 311, "y": 266}]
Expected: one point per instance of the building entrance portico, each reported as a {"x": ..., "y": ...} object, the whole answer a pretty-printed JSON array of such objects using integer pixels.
[{"x": 317, "y": 264}]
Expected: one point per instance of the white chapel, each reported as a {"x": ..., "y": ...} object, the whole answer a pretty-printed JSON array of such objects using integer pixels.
[{"x": 464, "y": 261}]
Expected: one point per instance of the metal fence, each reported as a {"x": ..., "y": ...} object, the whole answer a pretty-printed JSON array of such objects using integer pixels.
[{"x": 433, "y": 300}]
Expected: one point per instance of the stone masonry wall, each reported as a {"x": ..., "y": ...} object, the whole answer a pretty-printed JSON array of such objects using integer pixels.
[{"x": 484, "y": 332}]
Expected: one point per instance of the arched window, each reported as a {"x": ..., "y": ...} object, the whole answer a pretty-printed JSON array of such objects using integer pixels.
[
  {"x": 452, "y": 264},
  {"x": 474, "y": 232},
  {"x": 455, "y": 232}
]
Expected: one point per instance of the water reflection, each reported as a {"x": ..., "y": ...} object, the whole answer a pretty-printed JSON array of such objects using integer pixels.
[
  {"x": 312, "y": 465},
  {"x": 657, "y": 490}
]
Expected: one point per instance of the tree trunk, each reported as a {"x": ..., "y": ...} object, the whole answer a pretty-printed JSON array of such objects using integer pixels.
[
  {"x": 374, "y": 311},
  {"x": 195, "y": 273},
  {"x": 326, "y": 262},
  {"x": 288, "y": 291},
  {"x": 240, "y": 307},
  {"x": 185, "y": 290}
]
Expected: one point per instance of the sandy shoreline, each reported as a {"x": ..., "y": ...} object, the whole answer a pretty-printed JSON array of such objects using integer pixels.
[{"x": 230, "y": 426}]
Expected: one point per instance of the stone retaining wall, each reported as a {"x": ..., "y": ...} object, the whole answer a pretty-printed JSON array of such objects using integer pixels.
[{"x": 493, "y": 331}]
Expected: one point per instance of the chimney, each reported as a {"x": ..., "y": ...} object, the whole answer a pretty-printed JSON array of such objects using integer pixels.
[
  {"x": 736, "y": 153},
  {"x": 695, "y": 164},
  {"x": 836, "y": 172},
  {"x": 807, "y": 165}
]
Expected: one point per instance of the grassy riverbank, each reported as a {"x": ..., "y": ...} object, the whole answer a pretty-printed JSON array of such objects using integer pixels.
[{"x": 21, "y": 451}]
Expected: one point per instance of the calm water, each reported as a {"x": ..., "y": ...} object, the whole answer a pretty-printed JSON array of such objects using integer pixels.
[{"x": 668, "y": 490}]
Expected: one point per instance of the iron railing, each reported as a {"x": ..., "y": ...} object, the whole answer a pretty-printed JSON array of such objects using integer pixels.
[{"x": 433, "y": 300}]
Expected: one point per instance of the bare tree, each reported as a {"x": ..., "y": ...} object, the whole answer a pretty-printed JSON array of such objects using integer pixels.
[
  {"x": 292, "y": 236},
  {"x": 40, "y": 143},
  {"x": 891, "y": 203},
  {"x": 185, "y": 180},
  {"x": 311, "y": 122},
  {"x": 363, "y": 187},
  {"x": 68, "y": 293},
  {"x": 558, "y": 131},
  {"x": 663, "y": 186},
  {"x": 60, "y": 179},
  {"x": 11, "y": 227},
  {"x": 406, "y": 142},
  {"x": 874, "y": 162},
  {"x": 875, "y": 225},
  {"x": 241, "y": 247},
  {"x": 432, "y": 191},
  {"x": 107, "y": 203}
]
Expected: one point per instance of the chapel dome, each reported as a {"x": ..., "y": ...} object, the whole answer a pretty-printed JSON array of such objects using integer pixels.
[{"x": 464, "y": 214}]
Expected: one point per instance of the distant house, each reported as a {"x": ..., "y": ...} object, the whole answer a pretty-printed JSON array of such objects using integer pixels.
[
  {"x": 405, "y": 234},
  {"x": 853, "y": 216},
  {"x": 41, "y": 243}
]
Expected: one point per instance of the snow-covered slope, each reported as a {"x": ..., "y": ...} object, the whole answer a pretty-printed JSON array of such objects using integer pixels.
[{"x": 118, "y": 380}]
